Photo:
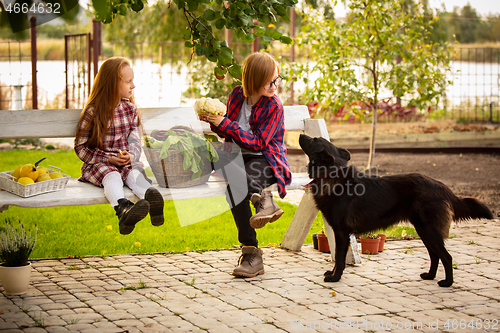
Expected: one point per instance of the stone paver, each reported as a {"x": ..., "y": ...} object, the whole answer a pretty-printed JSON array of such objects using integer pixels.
[{"x": 195, "y": 292}]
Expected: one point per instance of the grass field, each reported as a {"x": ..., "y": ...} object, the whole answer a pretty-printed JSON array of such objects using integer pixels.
[
  {"x": 79, "y": 231},
  {"x": 93, "y": 230}
]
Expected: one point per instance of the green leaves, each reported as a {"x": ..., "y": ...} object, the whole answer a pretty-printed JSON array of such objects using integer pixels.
[
  {"x": 225, "y": 56},
  {"x": 235, "y": 70},
  {"x": 106, "y": 11},
  {"x": 204, "y": 20},
  {"x": 220, "y": 72},
  {"x": 220, "y": 23},
  {"x": 241, "y": 16},
  {"x": 136, "y": 5},
  {"x": 209, "y": 15},
  {"x": 194, "y": 149},
  {"x": 16, "y": 245}
]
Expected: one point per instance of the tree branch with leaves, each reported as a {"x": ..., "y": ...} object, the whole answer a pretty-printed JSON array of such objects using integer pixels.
[{"x": 247, "y": 18}]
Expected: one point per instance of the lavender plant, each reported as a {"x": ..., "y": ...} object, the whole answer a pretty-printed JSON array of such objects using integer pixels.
[{"x": 16, "y": 245}]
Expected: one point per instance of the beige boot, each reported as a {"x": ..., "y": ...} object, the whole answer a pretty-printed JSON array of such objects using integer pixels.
[
  {"x": 266, "y": 210},
  {"x": 255, "y": 199},
  {"x": 250, "y": 263}
]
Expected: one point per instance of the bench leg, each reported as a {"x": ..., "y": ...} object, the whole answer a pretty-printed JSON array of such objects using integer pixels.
[
  {"x": 352, "y": 256},
  {"x": 301, "y": 224}
]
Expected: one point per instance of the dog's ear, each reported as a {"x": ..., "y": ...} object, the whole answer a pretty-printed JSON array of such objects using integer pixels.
[
  {"x": 344, "y": 153},
  {"x": 323, "y": 158},
  {"x": 329, "y": 159}
]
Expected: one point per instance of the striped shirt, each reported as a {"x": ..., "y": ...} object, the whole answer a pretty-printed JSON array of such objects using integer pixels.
[
  {"x": 267, "y": 122},
  {"x": 123, "y": 134}
]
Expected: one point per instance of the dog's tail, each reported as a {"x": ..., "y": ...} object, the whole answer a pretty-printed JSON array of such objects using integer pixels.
[{"x": 470, "y": 208}]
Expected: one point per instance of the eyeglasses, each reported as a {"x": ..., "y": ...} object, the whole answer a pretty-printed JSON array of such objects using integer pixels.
[{"x": 277, "y": 81}]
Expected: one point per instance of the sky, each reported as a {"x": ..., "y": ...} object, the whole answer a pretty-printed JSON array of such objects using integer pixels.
[{"x": 482, "y": 7}]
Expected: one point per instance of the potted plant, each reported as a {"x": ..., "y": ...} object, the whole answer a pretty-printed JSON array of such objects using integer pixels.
[
  {"x": 323, "y": 242},
  {"x": 369, "y": 243},
  {"x": 15, "y": 249},
  {"x": 382, "y": 241}
]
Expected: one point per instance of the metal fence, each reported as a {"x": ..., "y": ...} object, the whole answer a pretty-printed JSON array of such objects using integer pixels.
[
  {"x": 163, "y": 73},
  {"x": 15, "y": 76},
  {"x": 475, "y": 93}
]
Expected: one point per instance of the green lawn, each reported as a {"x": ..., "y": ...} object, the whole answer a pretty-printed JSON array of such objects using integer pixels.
[{"x": 93, "y": 230}]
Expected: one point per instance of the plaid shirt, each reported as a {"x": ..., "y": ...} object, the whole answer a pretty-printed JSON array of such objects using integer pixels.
[
  {"x": 123, "y": 134},
  {"x": 268, "y": 127}
]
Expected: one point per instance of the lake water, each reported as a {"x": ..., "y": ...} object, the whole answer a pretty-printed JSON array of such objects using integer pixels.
[
  {"x": 155, "y": 85},
  {"x": 162, "y": 86}
]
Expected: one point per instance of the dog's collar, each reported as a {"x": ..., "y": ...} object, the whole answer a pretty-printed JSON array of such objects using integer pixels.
[{"x": 315, "y": 180}]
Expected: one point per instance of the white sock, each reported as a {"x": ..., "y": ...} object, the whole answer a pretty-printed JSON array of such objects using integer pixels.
[
  {"x": 113, "y": 188},
  {"x": 137, "y": 183}
]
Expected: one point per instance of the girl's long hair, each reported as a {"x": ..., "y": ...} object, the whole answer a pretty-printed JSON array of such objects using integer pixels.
[{"x": 104, "y": 98}]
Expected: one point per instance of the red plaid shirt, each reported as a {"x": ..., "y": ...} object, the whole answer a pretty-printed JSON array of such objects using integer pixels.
[
  {"x": 267, "y": 122},
  {"x": 123, "y": 134}
]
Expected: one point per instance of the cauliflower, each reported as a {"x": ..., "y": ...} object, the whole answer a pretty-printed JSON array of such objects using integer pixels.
[{"x": 209, "y": 105}]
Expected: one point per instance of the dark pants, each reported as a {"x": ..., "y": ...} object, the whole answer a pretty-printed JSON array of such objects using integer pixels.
[{"x": 259, "y": 175}]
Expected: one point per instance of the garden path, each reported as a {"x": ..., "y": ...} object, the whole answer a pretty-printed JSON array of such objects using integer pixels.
[{"x": 195, "y": 292}]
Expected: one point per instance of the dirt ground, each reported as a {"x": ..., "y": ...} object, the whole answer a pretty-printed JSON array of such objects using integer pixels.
[{"x": 468, "y": 175}]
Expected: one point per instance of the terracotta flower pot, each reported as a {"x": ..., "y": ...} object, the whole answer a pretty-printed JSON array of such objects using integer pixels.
[
  {"x": 369, "y": 245},
  {"x": 15, "y": 280},
  {"x": 323, "y": 243},
  {"x": 382, "y": 242}
]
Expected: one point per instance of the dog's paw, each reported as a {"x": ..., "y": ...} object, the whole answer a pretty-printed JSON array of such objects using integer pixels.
[
  {"x": 331, "y": 278},
  {"x": 445, "y": 283},
  {"x": 328, "y": 273},
  {"x": 427, "y": 276}
]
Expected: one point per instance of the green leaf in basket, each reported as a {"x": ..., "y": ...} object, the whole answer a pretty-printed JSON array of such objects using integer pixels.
[
  {"x": 196, "y": 165},
  {"x": 171, "y": 140},
  {"x": 214, "y": 157},
  {"x": 192, "y": 147}
]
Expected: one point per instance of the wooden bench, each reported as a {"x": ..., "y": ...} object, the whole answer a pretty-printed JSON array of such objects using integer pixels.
[{"x": 62, "y": 124}]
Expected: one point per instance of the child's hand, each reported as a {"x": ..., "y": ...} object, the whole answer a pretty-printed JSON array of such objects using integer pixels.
[
  {"x": 214, "y": 119},
  {"x": 121, "y": 159}
]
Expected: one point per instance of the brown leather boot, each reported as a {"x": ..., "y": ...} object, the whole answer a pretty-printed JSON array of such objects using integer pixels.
[
  {"x": 266, "y": 210},
  {"x": 250, "y": 263}
]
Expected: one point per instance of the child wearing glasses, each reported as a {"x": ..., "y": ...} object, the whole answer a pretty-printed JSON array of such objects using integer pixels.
[{"x": 255, "y": 122}]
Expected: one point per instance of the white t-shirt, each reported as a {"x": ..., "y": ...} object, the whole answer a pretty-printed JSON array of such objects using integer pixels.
[
  {"x": 244, "y": 116},
  {"x": 244, "y": 122}
]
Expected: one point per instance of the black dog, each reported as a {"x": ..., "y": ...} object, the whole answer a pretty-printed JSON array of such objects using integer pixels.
[{"x": 353, "y": 202}]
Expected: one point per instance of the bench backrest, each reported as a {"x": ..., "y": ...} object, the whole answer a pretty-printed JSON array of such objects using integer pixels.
[{"x": 22, "y": 124}]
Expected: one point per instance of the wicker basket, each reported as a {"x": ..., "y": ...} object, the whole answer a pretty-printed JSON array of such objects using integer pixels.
[
  {"x": 9, "y": 184},
  {"x": 169, "y": 171}
]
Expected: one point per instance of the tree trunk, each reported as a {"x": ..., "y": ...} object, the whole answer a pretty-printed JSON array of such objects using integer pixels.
[
  {"x": 375, "y": 114},
  {"x": 372, "y": 138}
]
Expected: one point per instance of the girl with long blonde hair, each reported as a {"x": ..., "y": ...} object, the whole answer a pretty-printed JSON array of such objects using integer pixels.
[{"x": 108, "y": 142}]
